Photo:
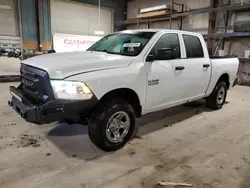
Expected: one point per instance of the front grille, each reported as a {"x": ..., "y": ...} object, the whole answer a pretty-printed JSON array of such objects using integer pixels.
[{"x": 36, "y": 83}]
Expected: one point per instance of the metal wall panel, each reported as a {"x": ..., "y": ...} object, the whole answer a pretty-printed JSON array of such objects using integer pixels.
[
  {"x": 45, "y": 5},
  {"x": 79, "y": 18},
  {"x": 29, "y": 20},
  {"x": 196, "y": 23},
  {"x": 166, "y": 25},
  {"x": 8, "y": 18},
  {"x": 237, "y": 46},
  {"x": 242, "y": 21}
]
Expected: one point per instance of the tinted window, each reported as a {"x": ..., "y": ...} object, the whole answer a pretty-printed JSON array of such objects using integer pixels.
[
  {"x": 193, "y": 46},
  {"x": 169, "y": 40},
  {"x": 129, "y": 44}
]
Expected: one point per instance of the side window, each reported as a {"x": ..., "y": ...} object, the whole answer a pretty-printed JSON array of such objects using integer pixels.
[
  {"x": 169, "y": 40},
  {"x": 193, "y": 46}
]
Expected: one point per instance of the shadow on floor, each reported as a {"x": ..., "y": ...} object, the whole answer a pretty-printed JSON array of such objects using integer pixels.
[
  {"x": 64, "y": 129},
  {"x": 73, "y": 140},
  {"x": 246, "y": 175},
  {"x": 246, "y": 181}
]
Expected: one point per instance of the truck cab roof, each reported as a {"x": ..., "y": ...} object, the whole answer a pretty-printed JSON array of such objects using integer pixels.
[{"x": 158, "y": 30}]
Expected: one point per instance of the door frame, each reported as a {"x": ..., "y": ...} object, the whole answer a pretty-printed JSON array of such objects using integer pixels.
[{"x": 182, "y": 56}]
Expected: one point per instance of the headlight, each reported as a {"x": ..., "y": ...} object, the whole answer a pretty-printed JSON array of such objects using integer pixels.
[{"x": 70, "y": 90}]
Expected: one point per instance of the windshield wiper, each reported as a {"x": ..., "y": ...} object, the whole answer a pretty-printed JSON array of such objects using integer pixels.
[
  {"x": 101, "y": 51},
  {"x": 105, "y": 51},
  {"x": 109, "y": 52}
]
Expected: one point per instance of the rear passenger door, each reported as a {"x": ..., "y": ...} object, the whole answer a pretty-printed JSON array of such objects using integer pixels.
[{"x": 197, "y": 65}]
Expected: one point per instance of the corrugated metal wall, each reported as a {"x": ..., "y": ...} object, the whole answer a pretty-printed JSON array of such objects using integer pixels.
[
  {"x": 29, "y": 20},
  {"x": 8, "y": 18},
  {"x": 29, "y": 17},
  {"x": 9, "y": 24},
  {"x": 46, "y": 21}
]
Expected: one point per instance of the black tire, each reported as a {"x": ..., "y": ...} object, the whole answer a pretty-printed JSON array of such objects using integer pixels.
[
  {"x": 99, "y": 122},
  {"x": 213, "y": 101}
]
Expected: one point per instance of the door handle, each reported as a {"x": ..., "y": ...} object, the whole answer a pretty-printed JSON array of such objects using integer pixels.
[
  {"x": 206, "y": 65},
  {"x": 179, "y": 68}
]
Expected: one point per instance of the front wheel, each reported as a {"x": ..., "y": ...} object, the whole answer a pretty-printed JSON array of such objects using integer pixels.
[
  {"x": 218, "y": 97},
  {"x": 112, "y": 125}
]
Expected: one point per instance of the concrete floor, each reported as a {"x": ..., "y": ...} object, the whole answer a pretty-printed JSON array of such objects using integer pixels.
[
  {"x": 184, "y": 144},
  {"x": 9, "y": 66}
]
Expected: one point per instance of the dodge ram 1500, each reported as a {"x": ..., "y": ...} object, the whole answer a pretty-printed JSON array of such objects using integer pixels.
[{"x": 124, "y": 75}]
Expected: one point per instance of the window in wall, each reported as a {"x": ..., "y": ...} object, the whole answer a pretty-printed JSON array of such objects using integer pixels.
[{"x": 193, "y": 46}]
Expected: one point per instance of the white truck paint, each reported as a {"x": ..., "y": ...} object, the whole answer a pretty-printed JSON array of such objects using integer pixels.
[{"x": 159, "y": 83}]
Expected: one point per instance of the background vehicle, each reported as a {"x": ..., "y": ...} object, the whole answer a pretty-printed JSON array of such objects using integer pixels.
[
  {"x": 11, "y": 53},
  {"x": 121, "y": 77},
  {"x": 4, "y": 52},
  {"x": 14, "y": 53},
  {"x": 17, "y": 53}
]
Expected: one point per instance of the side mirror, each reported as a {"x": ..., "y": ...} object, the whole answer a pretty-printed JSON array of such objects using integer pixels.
[
  {"x": 150, "y": 58},
  {"x": 165, "y": 54}
]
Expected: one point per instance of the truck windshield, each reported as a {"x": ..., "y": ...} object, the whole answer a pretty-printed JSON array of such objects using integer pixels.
[{"x": 129, "y": 44}]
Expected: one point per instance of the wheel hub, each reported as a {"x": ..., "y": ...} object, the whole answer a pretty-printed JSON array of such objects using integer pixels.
[
  {"x": 118, "y": 127},
  {"x": 221, "y": 95}
]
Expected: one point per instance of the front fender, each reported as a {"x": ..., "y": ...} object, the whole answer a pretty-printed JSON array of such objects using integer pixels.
[{"x": 104, "y": 81}]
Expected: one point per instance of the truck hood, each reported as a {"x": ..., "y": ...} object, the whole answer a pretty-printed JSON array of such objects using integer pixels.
[{"x": 62, "y": 65}]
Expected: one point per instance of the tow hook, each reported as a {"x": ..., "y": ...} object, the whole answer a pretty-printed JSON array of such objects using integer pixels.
[{"x": 10, "y": 103}]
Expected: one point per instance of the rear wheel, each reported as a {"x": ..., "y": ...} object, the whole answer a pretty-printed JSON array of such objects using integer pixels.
[
  {"x": 112, "y": 125},
  {"x": 218, "y": 97}
]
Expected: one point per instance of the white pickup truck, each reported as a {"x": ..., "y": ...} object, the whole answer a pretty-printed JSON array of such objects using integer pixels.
[{"x": 123, "y": 76}]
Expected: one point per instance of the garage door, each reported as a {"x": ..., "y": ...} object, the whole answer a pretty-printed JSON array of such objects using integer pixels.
[
  {"x": 9, "y": 29},
  {"x": 79, "y": 18}
]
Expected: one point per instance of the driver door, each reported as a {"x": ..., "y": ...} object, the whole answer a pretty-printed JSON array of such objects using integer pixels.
[{"x": 165, "y": 83}]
